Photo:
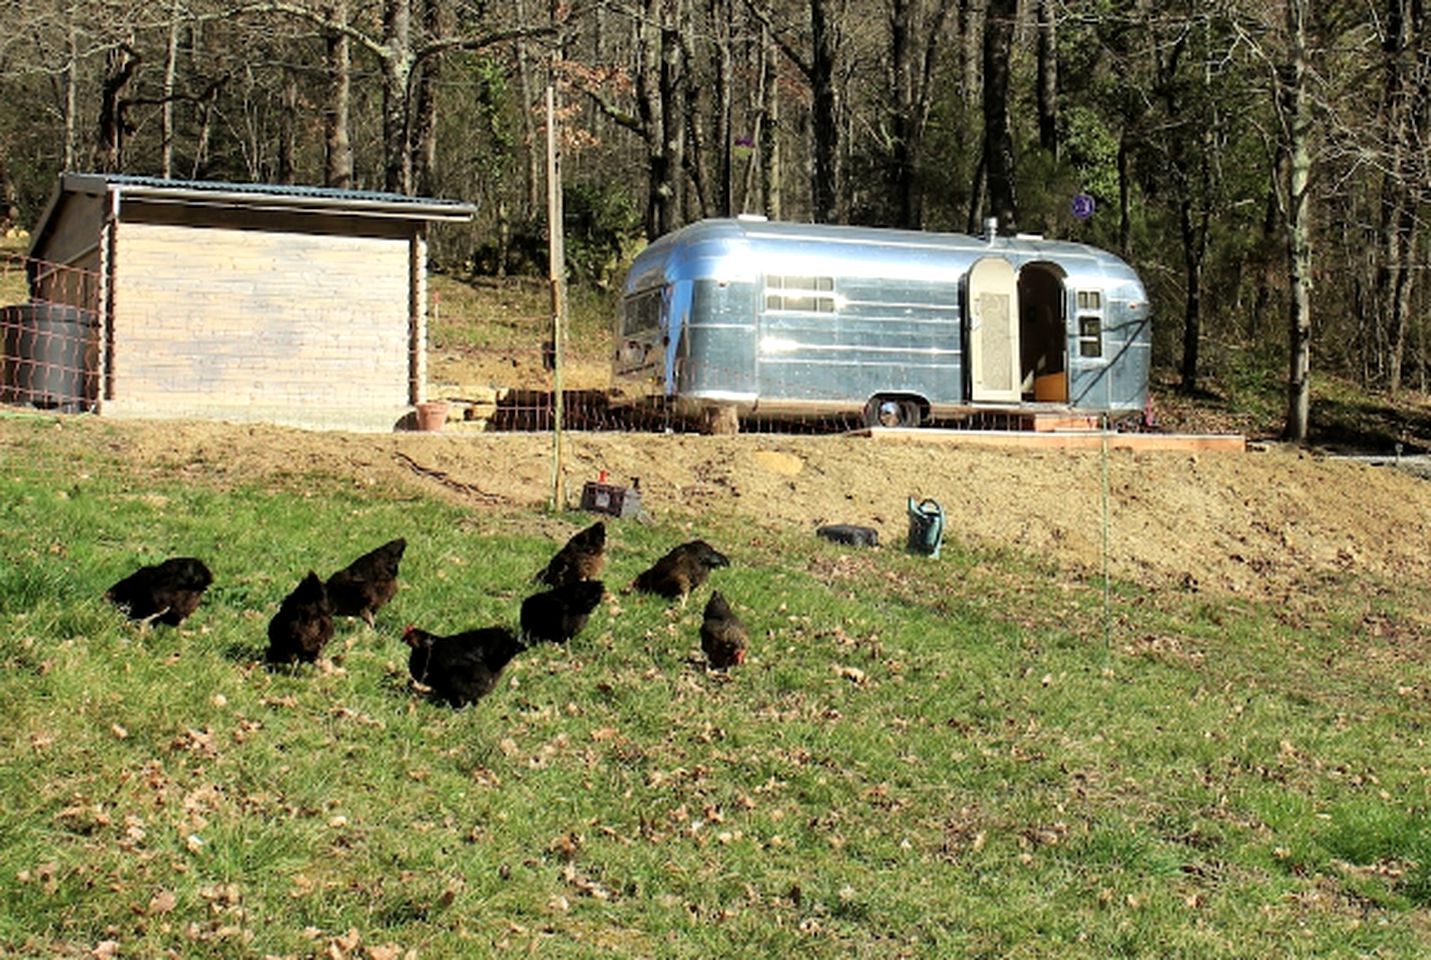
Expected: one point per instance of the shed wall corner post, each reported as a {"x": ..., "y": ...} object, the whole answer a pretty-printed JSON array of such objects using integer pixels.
[
  {"x": 417, "y": 316},
  {"x": 108, "y": 250}
]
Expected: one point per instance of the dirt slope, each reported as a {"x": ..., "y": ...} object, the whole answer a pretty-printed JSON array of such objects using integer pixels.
[{"x": 1264, "y": 523}]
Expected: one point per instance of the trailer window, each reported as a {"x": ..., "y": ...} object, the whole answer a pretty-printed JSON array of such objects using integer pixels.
[
  {"x": 641, "y": 313},
  {"x": 800, "y": 294},
  {"x": 1090, "y": 300},
  {"x": 1090, "y": 335}
]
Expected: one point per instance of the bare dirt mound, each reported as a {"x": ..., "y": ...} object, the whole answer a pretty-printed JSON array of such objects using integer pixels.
[{"x": 1264, "y": 523}]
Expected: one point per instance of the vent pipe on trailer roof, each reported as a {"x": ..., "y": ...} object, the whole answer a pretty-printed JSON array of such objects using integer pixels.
[{"x": 991, "y": 228}]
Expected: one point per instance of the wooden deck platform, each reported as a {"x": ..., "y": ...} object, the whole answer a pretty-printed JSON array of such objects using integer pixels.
[{"x": 1065, "y": 439}]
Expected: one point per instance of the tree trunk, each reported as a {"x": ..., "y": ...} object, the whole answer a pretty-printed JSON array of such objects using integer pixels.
[
  {"x": 1194, "y": 237},
  {"x": 971, "y": 34},
  {"x": 999, "y": 25},
  {"x": 722, "y": 12},
  {"x": 1299, "y": 228},
  {"x": 903, "y": 178},
  {"x": 971, "y": 60},
  {"x": 9, "y": 196},
  {"x": 397, "y": 67},
  {"x": 673, "y": 127},
  {"x": 1398, "y": 208},
  {"x": 206, "y": 129},
  {"x": 770, "y": 159},
  {"x": 647, "y": 41},
  {"x": 533, "y": 172},
  {"x": 1047, "y": 78},
  {"x": 696, "y": 162},
  {"x": 166, "y": 109},
  {"x": 424, "y": 130},
  {"x": 71, "y": 92},
  {"x": 1402, "y": 283},
  {"x": 337, "y": 119},
  {"x": 1125, "y": 206},
  {"x": 288, "y": 130},
  {"x": 1266, "y": 276},
  {"x": 824, "y": 119},
  {"x": 120, "y": 63}
]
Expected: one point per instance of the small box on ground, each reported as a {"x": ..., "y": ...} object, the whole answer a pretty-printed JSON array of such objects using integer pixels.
[{"x": 609, "y": 498}]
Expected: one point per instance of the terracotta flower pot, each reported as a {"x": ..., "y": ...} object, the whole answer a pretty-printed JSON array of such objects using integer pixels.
[{"x": 431, "y": 415}]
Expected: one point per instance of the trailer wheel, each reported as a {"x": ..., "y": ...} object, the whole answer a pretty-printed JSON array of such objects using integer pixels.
[{"x": 891, "y": 412}]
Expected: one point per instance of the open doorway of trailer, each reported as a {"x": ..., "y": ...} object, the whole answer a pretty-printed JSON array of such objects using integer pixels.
[{"x": 1043, "y": 336}]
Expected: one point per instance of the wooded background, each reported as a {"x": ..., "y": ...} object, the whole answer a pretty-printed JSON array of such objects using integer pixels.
[{"x": 1241, "y": 154}]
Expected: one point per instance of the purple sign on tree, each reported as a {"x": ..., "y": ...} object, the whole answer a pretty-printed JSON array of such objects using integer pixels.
[{"x": 1083, "y": 206}]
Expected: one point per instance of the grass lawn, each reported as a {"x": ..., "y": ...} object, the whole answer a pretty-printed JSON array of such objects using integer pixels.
[{"x": 926, "y": 758}]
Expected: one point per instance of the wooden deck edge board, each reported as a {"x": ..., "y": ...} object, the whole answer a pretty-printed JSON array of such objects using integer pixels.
[{"x": 1066, "y": 440}]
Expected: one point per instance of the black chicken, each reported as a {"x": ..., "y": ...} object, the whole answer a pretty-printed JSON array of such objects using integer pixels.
[
  {"x": 167, "y": 592},
  {"x": 581, "y": 558},
  {"x": 723, "y": 636},
  {"x": 679, "y": 572},
  {"x": 303, "y": 624},
  {"x": 555, "y": 616},
  {"x": 461, "y": 668},
  {"x": 362, "y": 587}
]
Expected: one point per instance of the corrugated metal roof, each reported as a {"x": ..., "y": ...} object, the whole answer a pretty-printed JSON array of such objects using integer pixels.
[
  {"x": 262, "y": 189},
  {"x": 253, "y": 196}
]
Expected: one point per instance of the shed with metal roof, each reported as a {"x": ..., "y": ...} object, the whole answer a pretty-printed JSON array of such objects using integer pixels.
[{"x": 208, "y": 300}]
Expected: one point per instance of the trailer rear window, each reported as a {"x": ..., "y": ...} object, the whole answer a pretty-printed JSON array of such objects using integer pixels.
[
  {"x": 641, "y": 313},
  {"x": 800, "y": 294}
]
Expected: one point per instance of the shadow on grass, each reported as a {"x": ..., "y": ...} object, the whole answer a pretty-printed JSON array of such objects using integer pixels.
[{"x": 1369, "y": 425}]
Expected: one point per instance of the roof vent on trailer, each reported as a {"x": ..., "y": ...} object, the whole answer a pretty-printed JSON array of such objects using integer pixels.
[
  {"x": 751, "y": 217},
  {"x": 991, "y": 228}
]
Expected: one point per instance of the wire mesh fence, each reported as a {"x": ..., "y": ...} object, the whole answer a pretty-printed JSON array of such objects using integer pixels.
[
  {"x": 145, "y": 348},
  {"x": 49, "y": 336}
]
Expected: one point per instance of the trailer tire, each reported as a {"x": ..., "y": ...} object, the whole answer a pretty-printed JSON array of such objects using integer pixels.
[{"x": 885, "y": 411}]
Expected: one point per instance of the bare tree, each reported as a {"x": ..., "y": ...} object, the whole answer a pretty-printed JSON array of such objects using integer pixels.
[
  {"x": 916, "y": 29},
  {"x": 171, "y": 69},
  {"x": 1297, "y": 123},
  {"x": 1047, "y": 83},
  {"x": 337, "y": 102},
  {"x": 1404, "y": 115},
  {"x": 999, "y": 22},
  {"x": 818, "y": 67},
  {"x": 121, "y": 61}
]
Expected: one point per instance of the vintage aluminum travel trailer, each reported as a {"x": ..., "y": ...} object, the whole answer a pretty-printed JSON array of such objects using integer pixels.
[{"x": 896, "y": 325}]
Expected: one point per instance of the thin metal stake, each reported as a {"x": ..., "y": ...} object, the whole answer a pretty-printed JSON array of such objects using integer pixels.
[{"x": 1107, "y": 588}]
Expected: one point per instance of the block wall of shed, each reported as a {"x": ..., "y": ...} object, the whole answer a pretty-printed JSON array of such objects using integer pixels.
[{"x": 283, "y": 326}]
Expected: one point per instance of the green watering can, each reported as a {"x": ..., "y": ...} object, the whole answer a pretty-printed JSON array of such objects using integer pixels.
[{"x": 926, "y": 527}]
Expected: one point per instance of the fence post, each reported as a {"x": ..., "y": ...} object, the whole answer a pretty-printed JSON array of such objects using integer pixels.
[{"x": 556, "y": 257}]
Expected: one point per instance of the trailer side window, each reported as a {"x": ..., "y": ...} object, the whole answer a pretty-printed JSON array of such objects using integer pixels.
[
  {"x": 1090, "y": 324},
  {"x": 801, "y": 294},
  {"x": 1090, "y": 336}
]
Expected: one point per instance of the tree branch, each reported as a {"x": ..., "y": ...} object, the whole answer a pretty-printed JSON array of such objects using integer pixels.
[{"x": 801, "y": 64}]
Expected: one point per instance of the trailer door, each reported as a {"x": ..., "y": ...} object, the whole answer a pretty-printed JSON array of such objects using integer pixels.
[{"x": 993, "y": 331}]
